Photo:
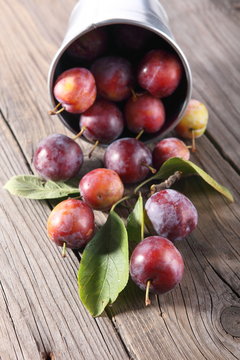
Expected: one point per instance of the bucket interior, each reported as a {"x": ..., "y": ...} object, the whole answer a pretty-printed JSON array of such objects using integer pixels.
[{"x": 174, "y": 104}]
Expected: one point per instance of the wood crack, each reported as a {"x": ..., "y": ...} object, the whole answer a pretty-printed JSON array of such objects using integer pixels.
[
  {"x": 198, "y": 345},
  {"x": 111, "y": 317},
  {"x": 222, "y": 153},
  {"x": 11, "y": 319},
  {"x": 16, "y": 140},
  {"x": 223, "y": 280},
  {"x": 168, "y": 330}
]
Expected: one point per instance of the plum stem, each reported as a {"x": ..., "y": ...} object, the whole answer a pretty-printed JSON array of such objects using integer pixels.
[
  {"x": 193, "y": 141},
  {"x": 55, "y": 111},
  {"x": 80, "y": 133},
  {"x": 134, "y": 95},
  {"x": 139, "y": 134},
  {"x": 59, "y": 111},
  {"x": 153, "y": 171},
  {"x": 167, "y": 183},
  {"x": 64, "y": 248},
  {"x": 93, "y": 148},
  {"x": 147, "y": 299}
]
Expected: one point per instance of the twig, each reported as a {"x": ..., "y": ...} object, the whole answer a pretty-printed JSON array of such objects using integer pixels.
[{"x": 167, "y": 183}]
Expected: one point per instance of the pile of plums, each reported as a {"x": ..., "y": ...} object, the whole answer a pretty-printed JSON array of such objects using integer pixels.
[
  {"x": 114, "y": 80},
  {"x": 110, "y": 93}
]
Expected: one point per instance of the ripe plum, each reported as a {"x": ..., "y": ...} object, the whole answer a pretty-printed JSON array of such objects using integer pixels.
[
  {"x": 160, "y": 72},
  {"x": 75, "y": 90},
  {"x": 89, "y": 46},
  {"x": 157, "y": 261},
  {"x": 130, "y": 158},
  {"x": 114, "y": 77},
  {"x": 144, "y": 112},
  {"x": 169, "y": 148},
  {"x": 129, "y": 37},
  {"x": 101, "y": 188},
  {"x": 71, "y": 222},
  {"x": 102, "y": 122}
]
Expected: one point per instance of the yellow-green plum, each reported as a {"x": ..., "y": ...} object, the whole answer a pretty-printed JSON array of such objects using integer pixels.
[{"x": 194, "y": 120}]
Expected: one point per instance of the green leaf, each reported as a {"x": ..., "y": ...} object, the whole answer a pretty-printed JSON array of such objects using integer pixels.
[
  {"x": 32, "y": 187},
  {"x": 135, "y": 224},
  {"x": 187, "y": 168},
  {"x": 104, "y": 267}
]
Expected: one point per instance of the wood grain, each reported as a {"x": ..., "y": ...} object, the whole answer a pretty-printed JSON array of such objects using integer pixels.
[
  {"x": 190, "y": 316},
  {"x": 39, "y": 305},
  {"x": 42, "y": 317}
]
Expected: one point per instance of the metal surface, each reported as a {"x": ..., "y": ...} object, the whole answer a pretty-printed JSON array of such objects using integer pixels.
[{"x": 90, "y": 14}]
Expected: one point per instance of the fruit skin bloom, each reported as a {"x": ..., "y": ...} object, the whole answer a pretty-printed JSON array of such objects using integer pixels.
[
  {"x": 171, "y": 214},
  {"x": 58, "y": 158},
  {"x": 158, "y": 260},
  {"x": 195, "y": 118}
]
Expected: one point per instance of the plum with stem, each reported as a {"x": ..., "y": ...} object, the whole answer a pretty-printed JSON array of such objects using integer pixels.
[
  {"x": 71, "y": 224},
  {"x": 156, "y": 265},
  {"x": 144, "y": 112},
  {"x": 101, "y": 188},
  {"x": 130, "y": 158},
  {"x": 75, "y": 89},
  {"x": 102, "y": 122}
]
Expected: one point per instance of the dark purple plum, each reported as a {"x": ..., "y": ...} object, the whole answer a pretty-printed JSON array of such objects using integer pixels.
[
  {"x": 129, "y": 37},
  {"x": 157, "y": 261},
  {"x": 89, "y": 46},
  {"x": 144, "y": 112},
  {"x": 160, "y": 72},
  {"x": 114, "y": 77},
  {"x": 130, "y": 158},
  {"x": 103, "y": 122}
]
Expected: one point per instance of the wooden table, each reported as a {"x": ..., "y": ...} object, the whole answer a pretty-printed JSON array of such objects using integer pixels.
[{"x": 41, "y": 314}]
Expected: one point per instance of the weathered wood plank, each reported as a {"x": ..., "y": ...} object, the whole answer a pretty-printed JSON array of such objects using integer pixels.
[
  {"x": 190, "y": 321},
  {"x": 39, "y": 306}
]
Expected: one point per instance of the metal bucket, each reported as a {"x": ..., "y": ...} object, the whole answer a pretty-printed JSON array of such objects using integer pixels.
[{"x": 149, "y": 14}]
